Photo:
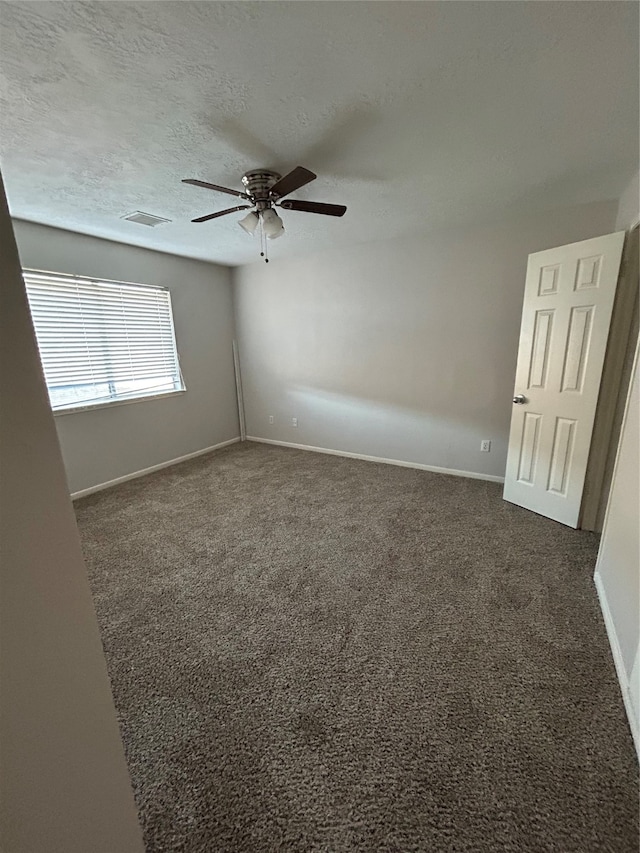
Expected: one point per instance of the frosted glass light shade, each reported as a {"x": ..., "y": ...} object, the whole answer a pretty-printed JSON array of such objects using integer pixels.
[
  {"x": 249, "y": 222},
  {"x": 272, "y": 224},
  {"x": 276, "y": 234}
]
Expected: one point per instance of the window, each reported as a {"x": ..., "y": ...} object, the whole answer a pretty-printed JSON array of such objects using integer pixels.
[{"x": 102, "y": 341}]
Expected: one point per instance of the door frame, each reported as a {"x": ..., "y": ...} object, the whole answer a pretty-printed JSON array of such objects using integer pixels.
[{"x": 614, "y": 386}]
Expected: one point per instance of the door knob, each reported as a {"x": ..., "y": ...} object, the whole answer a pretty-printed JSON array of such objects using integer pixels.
[{"x": 520, "y": 399}]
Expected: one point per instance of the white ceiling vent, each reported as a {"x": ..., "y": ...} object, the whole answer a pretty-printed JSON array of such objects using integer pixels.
[{"x": 145, "y": 218}]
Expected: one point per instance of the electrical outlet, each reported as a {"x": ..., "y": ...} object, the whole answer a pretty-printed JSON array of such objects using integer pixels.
[
  {"x": 294, "y": 422},
  {"x": 270, "y": 419},
  {"x": 485, "y": 446}
]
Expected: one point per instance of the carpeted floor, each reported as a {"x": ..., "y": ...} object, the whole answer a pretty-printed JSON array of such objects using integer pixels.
[{"x": 321, "y": 655}]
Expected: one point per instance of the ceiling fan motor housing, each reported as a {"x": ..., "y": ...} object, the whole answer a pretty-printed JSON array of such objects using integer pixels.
[{"x": 257, "y": 184}]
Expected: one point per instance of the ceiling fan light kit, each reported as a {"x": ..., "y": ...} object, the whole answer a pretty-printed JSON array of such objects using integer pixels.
[
  {"x": 249, "y": 222},
  {"x": 264, "y": 190},
  {"x": 272, "y": 224}
]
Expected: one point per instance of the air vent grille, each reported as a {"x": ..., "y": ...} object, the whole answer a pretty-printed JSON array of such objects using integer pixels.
[{"x": 141, "y": 218}]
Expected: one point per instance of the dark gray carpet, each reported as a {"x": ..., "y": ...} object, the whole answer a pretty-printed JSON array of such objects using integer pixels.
[{"x": 311, "y": 653}]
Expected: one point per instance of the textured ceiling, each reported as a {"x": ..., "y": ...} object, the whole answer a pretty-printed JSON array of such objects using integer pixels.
[{"x": 417, "y": 116}]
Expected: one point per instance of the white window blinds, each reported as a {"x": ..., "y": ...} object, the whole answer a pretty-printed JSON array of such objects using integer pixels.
[{"x": 102, "y": 341}]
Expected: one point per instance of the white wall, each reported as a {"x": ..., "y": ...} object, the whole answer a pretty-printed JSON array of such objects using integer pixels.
[
  {"x": 619, "y": 555},
  {"x": 618, "y": 566},
  {"x": 65, "y": 785},
  {"x": 100, "y": 445},
  {"x": 404, "y": 349}
]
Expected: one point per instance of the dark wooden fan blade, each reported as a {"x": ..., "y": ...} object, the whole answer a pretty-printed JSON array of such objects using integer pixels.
[
  {"x": 195, "y": 183},
  {"x": 297, "y": 178},
  {"x": 315, "y": 207},
  {"x": 221, "y": 213}
]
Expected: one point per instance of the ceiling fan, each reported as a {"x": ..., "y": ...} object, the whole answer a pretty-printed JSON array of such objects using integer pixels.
[{"x": 264, "y": 191}]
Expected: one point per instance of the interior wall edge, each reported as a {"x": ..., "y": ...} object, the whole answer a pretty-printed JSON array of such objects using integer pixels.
[
  {"x": 65, "y": 780},
  {"x": 616, "y": 653}
]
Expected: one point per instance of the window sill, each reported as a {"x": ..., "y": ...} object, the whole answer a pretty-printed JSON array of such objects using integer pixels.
[{"x": 58, "y": 413}]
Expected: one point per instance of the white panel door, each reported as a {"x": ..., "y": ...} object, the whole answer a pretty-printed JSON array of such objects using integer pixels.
[{"x": 568, "y": 300}]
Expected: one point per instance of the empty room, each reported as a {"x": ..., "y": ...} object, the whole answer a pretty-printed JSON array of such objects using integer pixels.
[{"x": 319, "y": 476}]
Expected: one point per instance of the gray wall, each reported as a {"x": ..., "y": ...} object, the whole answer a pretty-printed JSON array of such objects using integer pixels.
[
  {"x": 65, "y": 786},
  {"x": 404, "y": 349},
  {"x": 102, "y": 444}
]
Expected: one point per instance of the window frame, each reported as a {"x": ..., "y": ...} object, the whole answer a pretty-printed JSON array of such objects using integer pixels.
[{"x": 123, "y": 401}]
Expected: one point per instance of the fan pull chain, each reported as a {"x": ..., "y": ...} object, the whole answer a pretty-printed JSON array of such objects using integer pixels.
[{"x": 263, "y": 244}]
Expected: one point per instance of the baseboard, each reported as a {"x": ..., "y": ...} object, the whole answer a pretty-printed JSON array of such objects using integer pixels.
[
  {"x": 617, "y": 660},
  {"x": 492, "y": 478},
  {"x": 135, "y": 474}
]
